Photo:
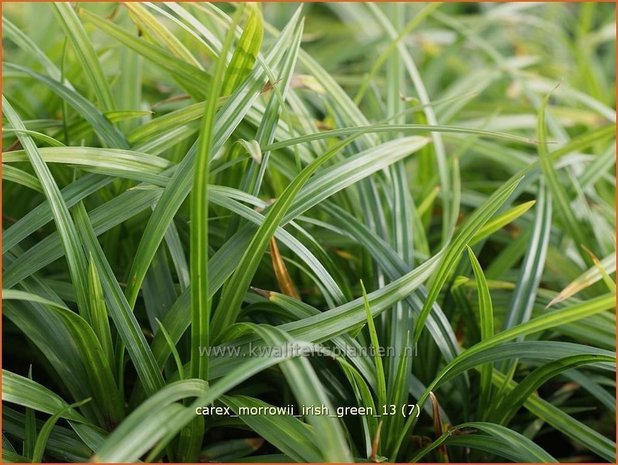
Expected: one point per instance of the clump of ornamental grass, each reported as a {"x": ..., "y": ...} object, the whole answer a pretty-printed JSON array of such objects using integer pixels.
[{"x": 394, "y": 221}]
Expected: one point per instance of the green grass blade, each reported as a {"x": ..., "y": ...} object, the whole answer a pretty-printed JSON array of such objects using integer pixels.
[
  {"x": 112, "y": 162},
  {"x": 486, "y": 323},
  {"x": 453, "y": 251},
  {"x": 381, "y": 385},
  {"x": 565, "y": 211},
  {"x": 501, "y": 221},
  {"x": 38, "y": 136},
  {"x": 173, "y": 349},
  {"x": 43, "y": 436},
  {"x": 200, "y": 303},
  {"x": 98, "y": 316},
  {"x": 28, "y": 393},
  {"x": 351, "y": 170},
  {"x": 12, "y": 174},
  {"x": 84, "y": 50},
  {"x": 516, "y": 398},
  {"x": 14, "y": 294},
  {"x": 520, "y": 308},
  {"x": 245, "y": 52},
  {"x": 147, "y": 21}
]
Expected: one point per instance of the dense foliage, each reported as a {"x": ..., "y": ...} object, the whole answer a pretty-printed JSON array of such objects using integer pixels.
[{"x": 187, "y": 185}]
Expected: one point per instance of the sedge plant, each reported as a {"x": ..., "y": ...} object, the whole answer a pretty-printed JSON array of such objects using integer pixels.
[{"x": 345, "y": 231}]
